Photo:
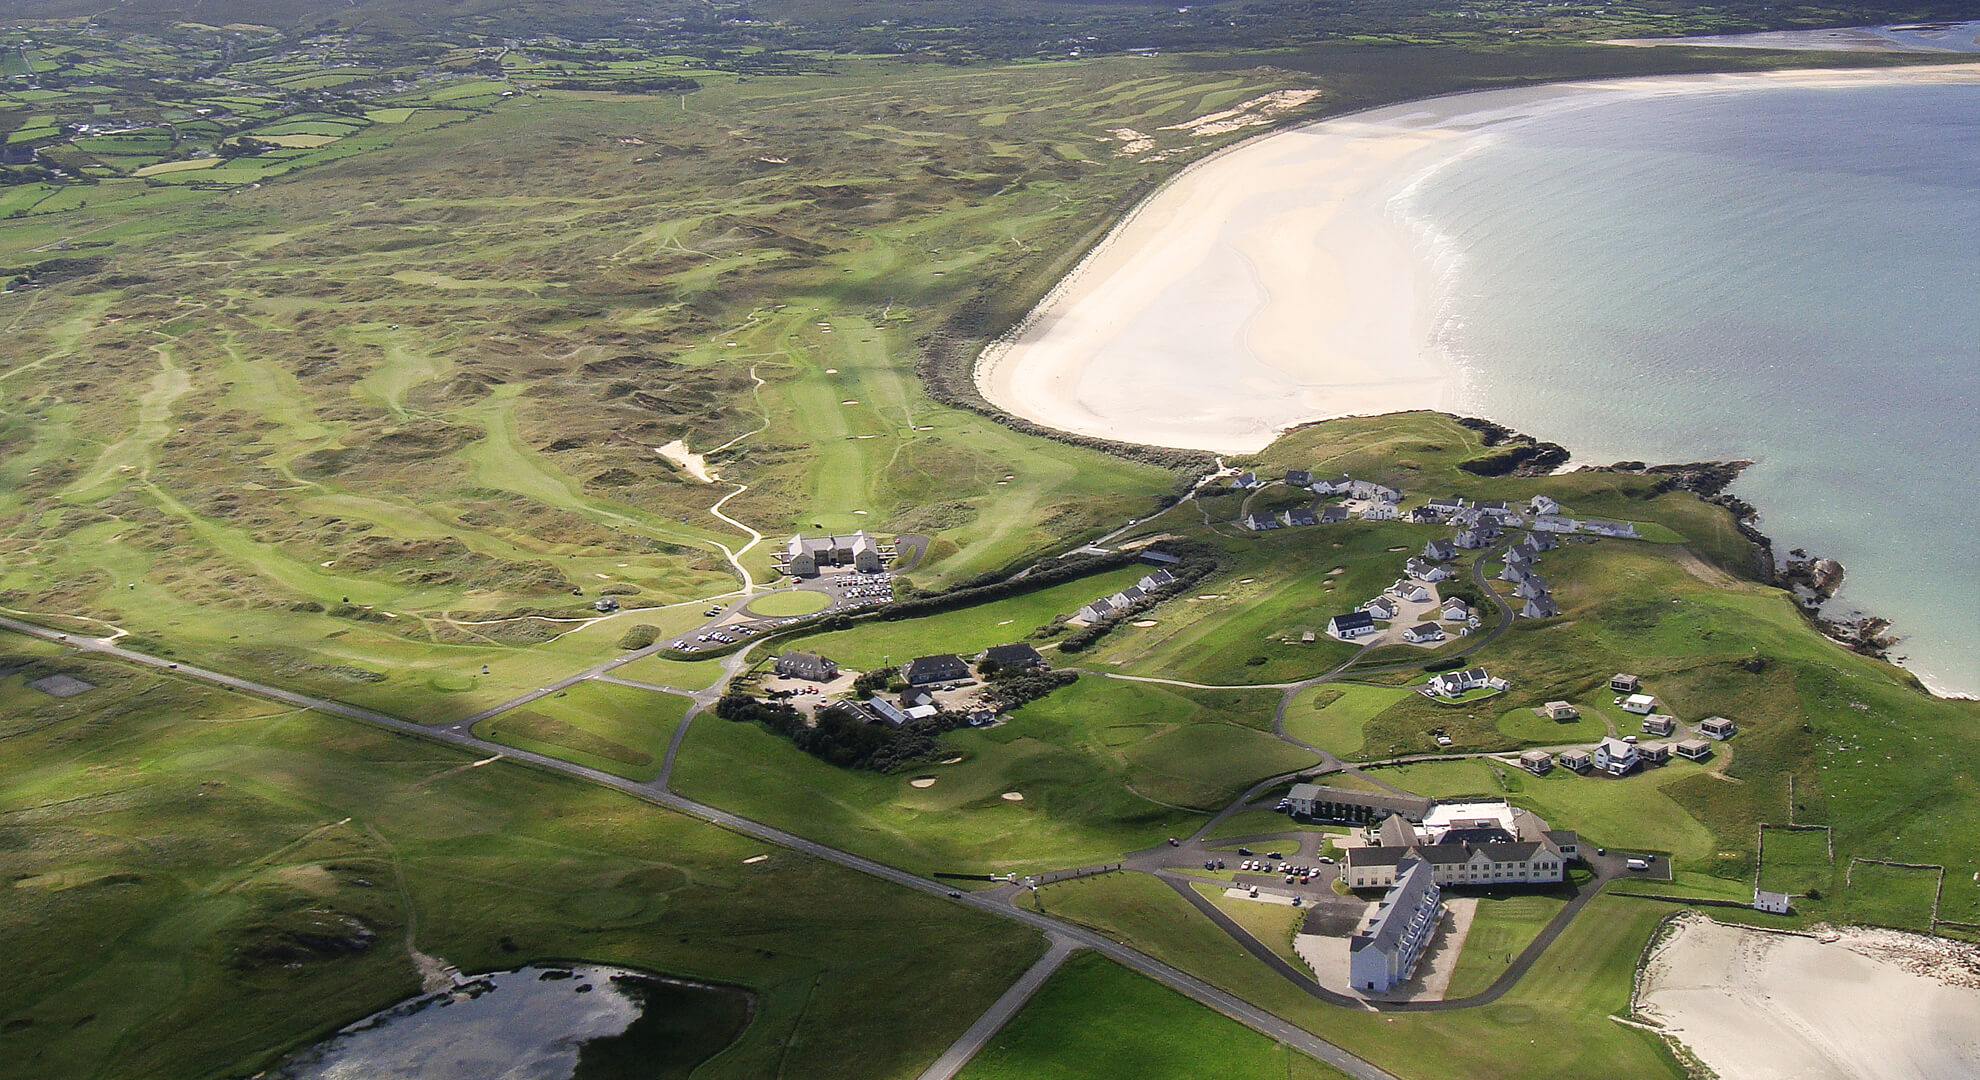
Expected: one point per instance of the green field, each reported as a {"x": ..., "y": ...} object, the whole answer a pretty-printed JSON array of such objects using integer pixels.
[
  {"x": 1501, "y": 927},
  {"x": 1332, "y": 717},
  {"x": 185, "y": 861},
  {"x": 1104, "y": 767},
  {"x": 616, "y": 728},
  {"x": 789, "y": 602},
  {"x": 1095, "y": 1019}
]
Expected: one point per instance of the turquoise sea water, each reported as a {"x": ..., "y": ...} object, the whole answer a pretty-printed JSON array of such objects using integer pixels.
[{"x": 1786, "y": 275}]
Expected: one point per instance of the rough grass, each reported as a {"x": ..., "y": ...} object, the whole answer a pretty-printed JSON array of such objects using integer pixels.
[
  {"x": 1095, "y": 1019},
  {"x": 176, "y": 851}
]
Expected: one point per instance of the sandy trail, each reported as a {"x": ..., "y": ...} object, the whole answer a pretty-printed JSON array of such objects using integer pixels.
[{"x": 1283, "y": 281}]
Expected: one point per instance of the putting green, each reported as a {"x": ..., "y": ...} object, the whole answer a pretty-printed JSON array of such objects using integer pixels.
[{"x": 789, "y": 602}]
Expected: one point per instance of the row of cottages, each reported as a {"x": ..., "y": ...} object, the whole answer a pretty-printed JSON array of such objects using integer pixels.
[
  {"x": 1385, "y": 952},
  {"x": 1535, "y": 596},
  {"x": 1301, "y": 517},
  {"x": 1561, "y": 523},
  {"x": 1452, "y": 684},
  {"x": 1349, "y": 487},
  {"x": 804, "y": 665},
  {"x": 940, "y": 668},
  {"x": 1352, "y": 807},
  {"x": 1108, "y": 607},
  {"x": 805, "y": 556}
]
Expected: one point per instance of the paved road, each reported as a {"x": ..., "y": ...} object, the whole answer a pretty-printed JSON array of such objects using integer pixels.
[
  {"x": 656, "y": 792},
  {"x": 993, "y": 1020}
]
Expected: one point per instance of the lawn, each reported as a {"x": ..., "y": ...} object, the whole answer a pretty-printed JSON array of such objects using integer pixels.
[
  {"x": 1561, "y": 1010},
  {"x": 1096, "y": 1020},
  {"x": 1333, "y": 716},
  {"x": 1500, "y": 928},
  {"x": 1104, "y": 767},
  {"x": 789, "y": 602},
  {"x": 1794, "y": 861},
  {"x": 965, "y": 631},
  {"x": 1272, "y": 924},
  {"x": 620, "y": 729},
  {"x": 186, "y": 862}
]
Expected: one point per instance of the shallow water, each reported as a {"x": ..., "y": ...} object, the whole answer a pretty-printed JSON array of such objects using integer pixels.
[
  {"x": 1782, "y": 274},
  {"x": 584, "y": 1022}
]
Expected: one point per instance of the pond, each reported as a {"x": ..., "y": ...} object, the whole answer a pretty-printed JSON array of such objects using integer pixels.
[{"x": 576, "y": 1022}]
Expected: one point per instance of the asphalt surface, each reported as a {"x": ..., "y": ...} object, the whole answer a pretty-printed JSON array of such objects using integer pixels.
[{"x": 655, "y": 792}]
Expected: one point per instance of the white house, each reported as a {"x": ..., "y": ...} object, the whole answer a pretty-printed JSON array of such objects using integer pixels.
[
  {"x": 1440, "y": 551},
  {"x": 1423, "y": 633},
  {"x": 1373, "y": 492},
  {"x": 1354, "y": 624},
  {"x": 1454, "y": 683},
  {"x": 1260, "y": 522},
  {"x": 1532, "y": 587},
  {"x": 1380, "y": 511},
  {"x": 1776, "y": 902},
  {"x": 1541, "y": 504},
  {"x": 1614, "y": 756},
  {"x": 804, "y": 556},
  {"x": 1640, "y": 704},
  {"x": 1561, "y": 710},
  {"x": 1425, "y": 570},
  {"x": 1554, "y": 523},
  {"x": 1540, "y": 607},
  {"x": 1335, "y": 485},
  {"x": 1622, "y": 529},
  {"x": 1381, "y": 608},
  {"x": 1385, "y": 952},
  {"x": 1246, "y": 480},
  {"x": 1456, "y": 610},
  {"x": 1411, "y": 591}
]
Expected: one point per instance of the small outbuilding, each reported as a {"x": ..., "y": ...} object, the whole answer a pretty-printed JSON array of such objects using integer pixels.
[
  {"x": 1537, "y": 762},
  {"x": 1640, "y": 704},
  {"x": 1695, "y": 749},
  {"x": 1561, "y": 710},
  {"x": 1653, "y": 753},
  {"x": 1659, "y": 724},
  {"x": 1577, "y": 760},
  {"x": 1623, "y": 683},
  {"x": 1717, "y": 727}
]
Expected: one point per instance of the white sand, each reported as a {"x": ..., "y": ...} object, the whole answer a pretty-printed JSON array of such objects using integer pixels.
[
  {"x": 1275, "y": 283},
  {"x": 1013, "y": 796},
  {"x": 922, "y": 782},
  {"x": 695, "y": 465},
  {"x": 1874, "y": 1003}
]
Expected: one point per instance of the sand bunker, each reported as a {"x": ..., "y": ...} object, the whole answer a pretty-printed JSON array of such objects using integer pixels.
[
  {"x": 1759, "y": 1006},
  {"x": 1013, "y": 796},
  {"x": 957, "y": 760},
  {"x": 922, "y": 781},
  {"x": 1142, "y": 622},
  {"x": 694, "y": 464},
  {"x": 754, "y": 859}
]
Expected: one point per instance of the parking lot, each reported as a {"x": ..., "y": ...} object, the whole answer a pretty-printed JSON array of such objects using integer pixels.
[{"x": 731, "y": 622}]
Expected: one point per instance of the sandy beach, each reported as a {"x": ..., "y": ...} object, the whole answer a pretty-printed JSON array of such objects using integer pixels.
[
  {"x": 1759, "y": 1006},
  {"x": 1276, "y": 283}
]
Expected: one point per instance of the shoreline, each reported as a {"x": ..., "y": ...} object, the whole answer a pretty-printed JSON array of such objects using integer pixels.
[
  {"x": 1270, "y": 284},
  {"x": 1155, "y": 337}
]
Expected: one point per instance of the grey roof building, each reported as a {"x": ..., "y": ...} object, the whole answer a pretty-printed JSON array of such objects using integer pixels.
[
  {"x": 942, "y": 667},
  {"x": 1385, "y": 952}
]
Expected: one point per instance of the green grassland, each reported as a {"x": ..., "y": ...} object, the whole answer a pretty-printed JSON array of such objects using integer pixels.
[
  {"x": 1555, "y": 1023},
  {"x": 189, "y": 862},
  {"x": 965, "y": 631},
  {"x": 620, "y": 729},
  {"x": 1500, "y": 928},
  {"x": 1104, "y": 766},
  {"x": 1332, "y": 717},
  {"x": 1096, "y": 1019}
]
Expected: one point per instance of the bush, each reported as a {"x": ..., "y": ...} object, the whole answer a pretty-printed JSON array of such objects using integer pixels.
[{"x": 639, "y": 637}]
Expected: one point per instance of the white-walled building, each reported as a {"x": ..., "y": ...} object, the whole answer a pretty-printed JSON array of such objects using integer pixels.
[{"x": 1385, "y": 952}]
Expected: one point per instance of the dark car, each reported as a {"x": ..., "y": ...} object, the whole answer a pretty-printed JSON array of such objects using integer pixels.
[{"x": 1244, "y": 851}]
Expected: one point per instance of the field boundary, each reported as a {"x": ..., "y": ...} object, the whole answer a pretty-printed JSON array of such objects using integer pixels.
[
  {"x": 1760, "y": 846},
  {"x": 1938, "y": 893}
]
